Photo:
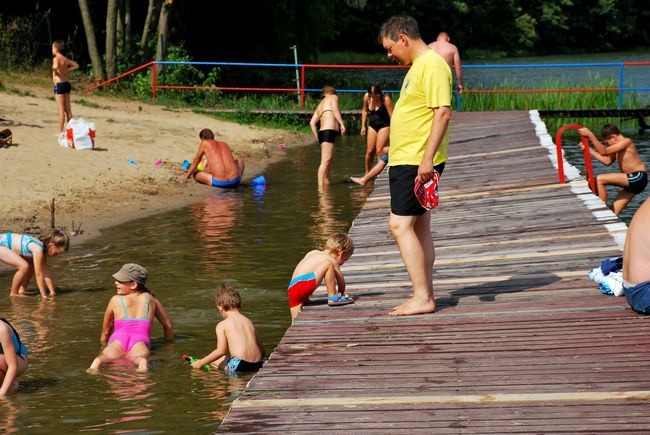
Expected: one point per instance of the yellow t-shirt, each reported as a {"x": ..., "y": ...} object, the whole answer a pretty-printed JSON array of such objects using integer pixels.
[{"x": 427, "y": 85}]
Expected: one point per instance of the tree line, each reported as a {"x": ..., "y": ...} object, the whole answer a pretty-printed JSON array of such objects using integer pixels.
[{"x": 114, "y": 35}]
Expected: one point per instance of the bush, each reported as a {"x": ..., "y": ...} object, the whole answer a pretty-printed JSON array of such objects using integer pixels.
[{"x": 18, "y": 43}]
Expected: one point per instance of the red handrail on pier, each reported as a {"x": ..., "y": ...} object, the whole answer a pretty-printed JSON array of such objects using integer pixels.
[{"x": 586, "y": 155}]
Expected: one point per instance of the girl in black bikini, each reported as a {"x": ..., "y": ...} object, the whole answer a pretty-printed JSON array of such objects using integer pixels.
[{"x": 377, "y": 110}]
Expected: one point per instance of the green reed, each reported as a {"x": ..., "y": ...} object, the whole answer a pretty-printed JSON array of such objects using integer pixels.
[{"x": 594, "y": 93}]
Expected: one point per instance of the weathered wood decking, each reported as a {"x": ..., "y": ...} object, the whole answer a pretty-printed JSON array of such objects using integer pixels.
[{"x": 522, "y": 341}]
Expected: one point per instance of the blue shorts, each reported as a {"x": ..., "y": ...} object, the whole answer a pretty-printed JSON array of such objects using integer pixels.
[
  {"x": 235, "y": 364},
  {"x": 639, "y": 297},
  {"x": 228, "y": 183}
]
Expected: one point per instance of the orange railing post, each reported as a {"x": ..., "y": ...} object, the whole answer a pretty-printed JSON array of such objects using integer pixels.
[{"x": 585, "y": 153}]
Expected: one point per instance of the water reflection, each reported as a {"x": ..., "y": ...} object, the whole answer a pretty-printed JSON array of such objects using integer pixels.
[
  {"x": 9, "y": 413},
  {"x": 219, "y": 390},
  {"x": 31, "y": 317},
  {"x": 214, "y": 221}
]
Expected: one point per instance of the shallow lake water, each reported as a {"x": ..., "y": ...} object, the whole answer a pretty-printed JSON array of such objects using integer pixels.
[{"x": 250, "y": 237}]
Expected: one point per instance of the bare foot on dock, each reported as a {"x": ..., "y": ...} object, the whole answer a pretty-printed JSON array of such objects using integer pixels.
[
  {"x": 357, "y": 180},
  {"x": 414, "y": 306}
]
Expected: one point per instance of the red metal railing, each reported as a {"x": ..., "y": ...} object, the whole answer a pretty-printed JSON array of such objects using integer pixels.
[{"x": 586, "y": 155}]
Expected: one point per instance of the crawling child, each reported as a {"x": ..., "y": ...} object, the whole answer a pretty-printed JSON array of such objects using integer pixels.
[
  {"x": 239, "y": 347},
  {"x": 318, "y": 266}
]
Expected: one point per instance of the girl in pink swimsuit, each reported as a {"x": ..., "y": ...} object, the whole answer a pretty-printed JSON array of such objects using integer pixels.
[{"x": 129, "y": 316}]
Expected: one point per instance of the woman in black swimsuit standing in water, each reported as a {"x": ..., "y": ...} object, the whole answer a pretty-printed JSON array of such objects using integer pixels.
[
  {"x": 328, "y": 115},
  {"x": 377, "y": 111}
]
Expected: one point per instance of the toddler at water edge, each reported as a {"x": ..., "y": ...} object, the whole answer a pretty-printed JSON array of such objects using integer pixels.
[
  {"x": 29, "y": 255},
  {"x": 236, "y": 336},
  {"x": 129, "y": 316},
  {"x": 317, "y": 266},
  {"x": 13, "y": 358}
]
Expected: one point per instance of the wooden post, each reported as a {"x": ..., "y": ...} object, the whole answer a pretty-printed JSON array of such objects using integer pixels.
[{"x": 52, "y": 213}]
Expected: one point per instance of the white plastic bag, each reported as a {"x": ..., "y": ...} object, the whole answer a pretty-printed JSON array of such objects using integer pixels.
[{"x": 79, "y": 134}]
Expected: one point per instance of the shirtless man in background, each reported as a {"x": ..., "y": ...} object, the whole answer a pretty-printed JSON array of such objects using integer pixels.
[
  {"x": 450, "y": 53},
  {"x": 222, "y": 169}
]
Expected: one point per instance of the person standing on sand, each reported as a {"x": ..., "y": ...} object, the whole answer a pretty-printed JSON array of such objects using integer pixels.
[
  {"x": 61, "y": 68},
  {"x": 222, "y": 169},
  {"x": 326, "y": 124},
  {"x": 449, "y": 52},
  {"x": 418, "y": 138}
]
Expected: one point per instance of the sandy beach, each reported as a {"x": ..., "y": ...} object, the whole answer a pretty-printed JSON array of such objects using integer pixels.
[{"x": 101, "y": 188}]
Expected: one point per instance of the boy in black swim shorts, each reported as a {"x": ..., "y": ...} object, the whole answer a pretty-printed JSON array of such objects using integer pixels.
[
  {"x": 61, "y": 68},
  {"x": 633, "y": 177}
]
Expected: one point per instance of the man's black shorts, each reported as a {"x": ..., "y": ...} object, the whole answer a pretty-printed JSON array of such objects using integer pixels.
[{"x": 402, "y": 182}]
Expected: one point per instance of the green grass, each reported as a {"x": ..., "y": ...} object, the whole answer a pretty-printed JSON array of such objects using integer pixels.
[
  {"x": 471, "y": 101},
  {"x": 20, "y": 92},
  {"x": 83, "y": 102}
]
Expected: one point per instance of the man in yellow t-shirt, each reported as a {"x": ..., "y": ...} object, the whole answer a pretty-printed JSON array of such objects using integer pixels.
[{"x": 418, "y": 141}]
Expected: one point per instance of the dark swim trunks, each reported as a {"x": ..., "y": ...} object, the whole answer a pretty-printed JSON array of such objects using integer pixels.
[
  {"x": 403, "y": 201},
  {"x": 637, "y": 181},
  {"x": 62, "y": 88},
  {"x": 639, "y": 297},
  {"x": 327, "y": 136},
  {"x": 236, "y": 364}
]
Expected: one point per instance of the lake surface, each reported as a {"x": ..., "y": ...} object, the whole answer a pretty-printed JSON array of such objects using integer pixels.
[{"x": 252, "y": 238}]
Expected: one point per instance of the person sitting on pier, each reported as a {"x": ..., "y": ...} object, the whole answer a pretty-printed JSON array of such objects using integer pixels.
[
  {"x": 319, "y": 265},
  {"x": 236, "y": 336},
  {"x": 222, "y": 169},
  {"x": 636, "y": 261},
  {"x": 374, "y": 171},
  {"x": 633, "y": 177}
]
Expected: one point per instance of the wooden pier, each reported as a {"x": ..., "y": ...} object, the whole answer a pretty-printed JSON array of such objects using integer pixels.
[{"x": 522, "y": 341}]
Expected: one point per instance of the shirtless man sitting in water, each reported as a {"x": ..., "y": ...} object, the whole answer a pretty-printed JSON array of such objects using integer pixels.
[
  {"x": 222, "y": 169},
  {"x": 636, "y": 261}
]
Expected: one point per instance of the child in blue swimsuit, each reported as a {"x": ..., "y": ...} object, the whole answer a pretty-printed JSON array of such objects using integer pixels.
[
  {"x": 29, "y": 255},
  {"x": 13, "y": 358}
]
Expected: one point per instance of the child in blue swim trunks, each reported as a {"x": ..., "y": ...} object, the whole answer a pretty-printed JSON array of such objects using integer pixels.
[
  {"x": 239, "y": 347},
  {"x": 318, "y": 266}
]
